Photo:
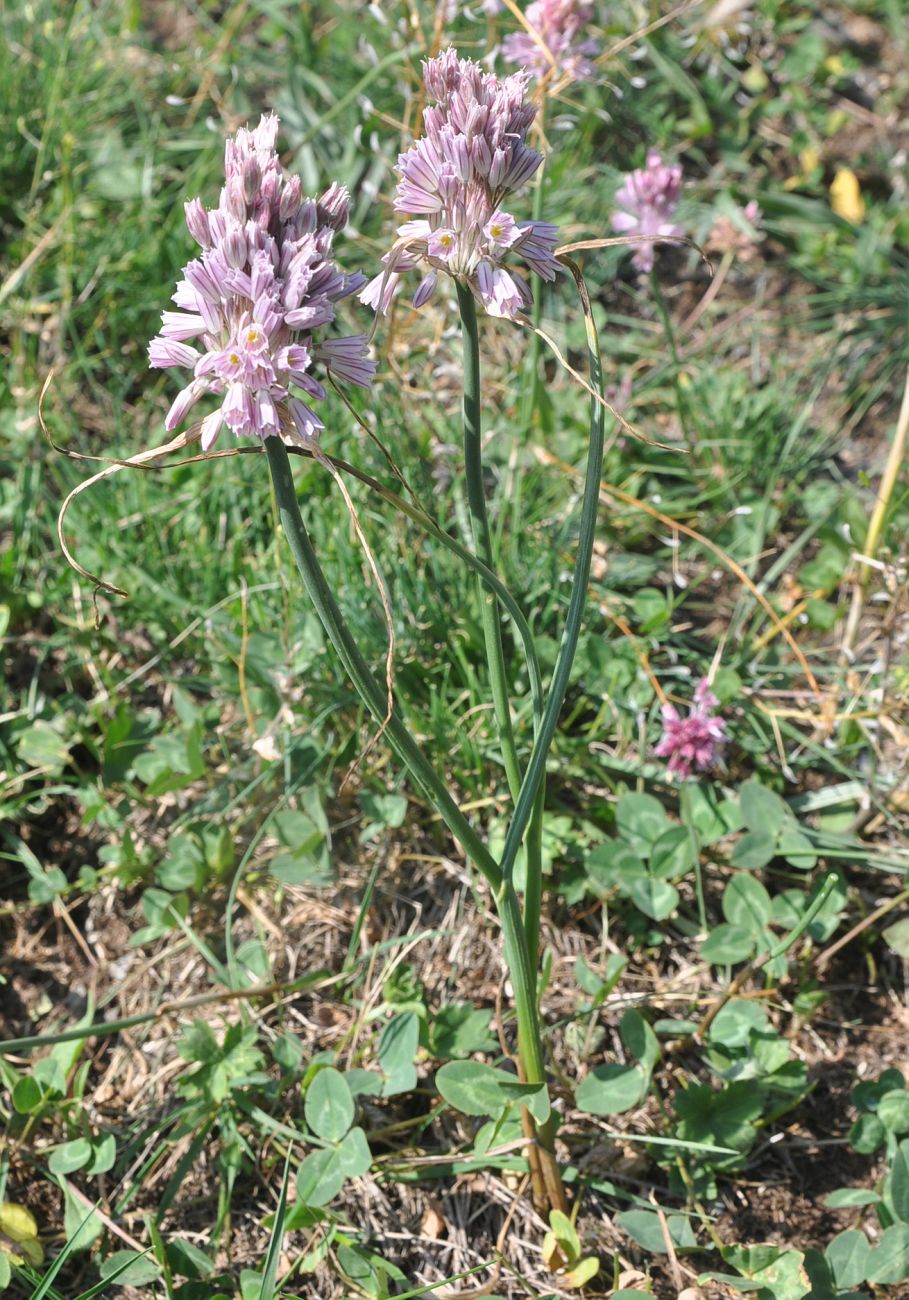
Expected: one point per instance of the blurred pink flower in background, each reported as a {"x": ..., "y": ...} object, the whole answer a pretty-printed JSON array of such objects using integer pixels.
[
  {"x": 562, "y": 47},
  {"x": 740, "y": 234},
  {"x": 693, "y": 743},
  {"x": 647, "y": 201}
]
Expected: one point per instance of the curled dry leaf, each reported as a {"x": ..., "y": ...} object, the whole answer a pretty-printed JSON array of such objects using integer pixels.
[{"x": 433, "y": 1223}]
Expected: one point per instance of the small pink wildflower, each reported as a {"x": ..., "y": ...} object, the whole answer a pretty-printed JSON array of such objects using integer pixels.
[
  {"x": 693, "y": 743},
  {"x": 453, "y": 182},
  {"x": 562, "y": 47},
  {"x": 250, "y": 303},
  {"x": 739, "y": 233},
  {"x": 647, "y": 201}
]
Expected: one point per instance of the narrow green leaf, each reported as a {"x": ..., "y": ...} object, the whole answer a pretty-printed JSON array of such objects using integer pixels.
[{"x": 899, "y": 1181}]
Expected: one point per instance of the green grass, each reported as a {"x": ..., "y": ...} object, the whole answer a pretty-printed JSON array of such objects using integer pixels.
[{"x": 128, "y": 772}]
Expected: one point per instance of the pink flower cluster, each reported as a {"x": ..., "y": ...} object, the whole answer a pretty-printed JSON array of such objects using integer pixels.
[
  {"x": 251, "y": 303},
  {"x": 648, "y": 199},
  {"x": 454, "y": 182},
  {"x": 560, "y": 45},
  {"x": 693, "y": 743}
]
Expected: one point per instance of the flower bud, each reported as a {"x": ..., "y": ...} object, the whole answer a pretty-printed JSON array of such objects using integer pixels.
[
  {"x": 197, "y": 222},
  {"x": 334, "y": 207},
  {"x": 252, "y": 178},
  {"x": 290, "y": 199},
  {"x": 233, "y": 246},
  {"x": 233, "y": 199}
]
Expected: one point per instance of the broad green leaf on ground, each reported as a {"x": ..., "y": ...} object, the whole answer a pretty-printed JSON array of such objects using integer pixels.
[
  {"x": 673, "y": 853},
  {"x": 305, "y": 858},
  {"x": 655, "y": 898},
  {"x": 727, "y": 945},
  {"x": 754, "y": 850},
  {"x": 641, "y": 820},
  {"x": 725, "y": 1117},
  {"x": 888, "y": 1261},
  {"x": 847, "y": 1255},
  {"x": 844, "y": 1197},
  {"x": 614, "y": 865},
  {"x": 867, "y": 1134},
  {"x": 711, "y": 816},
  {"x": 475, "y": 1088},
  {"x": 734, "y": 1024},
  {"x": 19, "y": 1234},
  {"x": 762, "y": 809},
  {"x": 329, "y": 1107},
  {"x": 611, "y": 1089},
  {"x": 797, "y": 849},
  {"x": 70, "y": 1156},
  {"x": 640, "y": 1039},
  {"x": 322, "y": 1173},
  {"x": 746, "y": 903},
  {"x": 897, "y": 937},
  {"x": 645, "y": 1228},
  {"x": 398, "y": 1045},
  {"x": 80, "y": 1222},
  {"x": 129, "y": 1268},
  {"x": 459, "y": 1029},
  {"x": 893, "y": 1110}
]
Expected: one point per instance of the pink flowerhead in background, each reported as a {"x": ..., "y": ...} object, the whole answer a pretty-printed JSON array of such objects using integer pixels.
[
  {"x": 693, "y": 743},
  {"x": 738, "y": 233},
  {"x": 562, "y": 47},
  {"x": 647, "y": 201},
  {"x": 453, "y": 184},
  {"x": 251, "y": 303}
]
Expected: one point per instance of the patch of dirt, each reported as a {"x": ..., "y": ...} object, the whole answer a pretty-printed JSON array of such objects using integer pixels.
[{"x": 436, "y": 1226}]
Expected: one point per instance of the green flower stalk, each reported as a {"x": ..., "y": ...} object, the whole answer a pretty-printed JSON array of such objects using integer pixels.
[{"x": 452, "y": 184}]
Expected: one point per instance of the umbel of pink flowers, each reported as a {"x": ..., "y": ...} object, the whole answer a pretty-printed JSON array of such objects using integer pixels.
[
  {"x": 253, "y": 306},
  {"x": 454, "y": 184},
  {"x": 647, "y": 201},
  {"x": 559, "y": 45},
  {"x": 693, "y": 743}
]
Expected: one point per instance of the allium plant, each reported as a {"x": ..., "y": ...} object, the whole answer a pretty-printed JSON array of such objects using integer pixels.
[
  {"x": 693, "y": 743},
  {"x": 455, "y": 182},
  {"x": 257, "y": 302},
  {"x": 647, "y": 201},
  {"x": 558, "y": 44},
  {"x": 254, "y": 305}
]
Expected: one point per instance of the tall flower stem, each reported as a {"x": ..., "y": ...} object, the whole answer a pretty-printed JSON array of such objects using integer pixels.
[
  {"x": 476, "y": 498},
  {"x": 536, "y": 768},
  {"x": 372, "y": 694},
  {"x": 533, "y": 892},
  {"x": 520, "y": 959},
  {"x": 482, "y": 539},
  {"x": 530, "y": 1044}
]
